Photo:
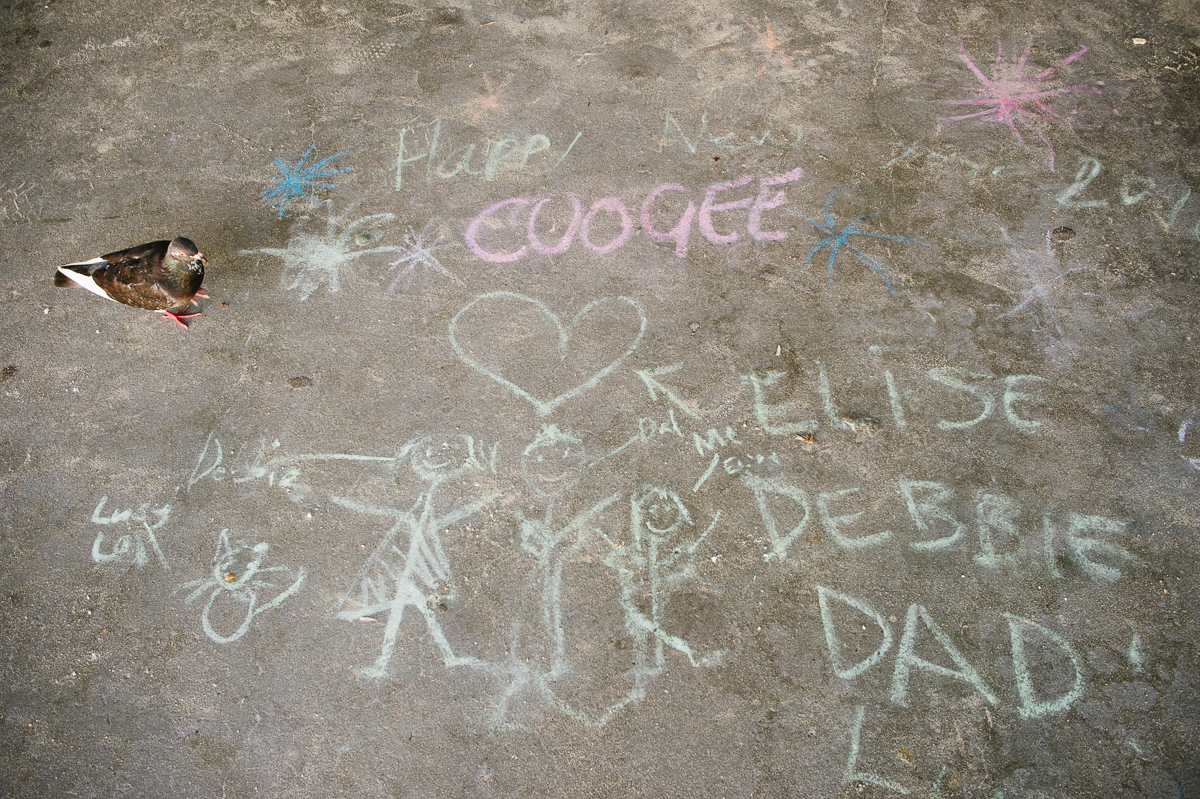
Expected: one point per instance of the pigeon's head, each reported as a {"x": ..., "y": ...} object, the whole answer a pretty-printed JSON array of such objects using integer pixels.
[{"x": 184, "y": 250}]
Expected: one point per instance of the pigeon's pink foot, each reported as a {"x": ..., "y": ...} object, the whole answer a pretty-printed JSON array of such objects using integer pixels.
[
  {"x": 199, "y": 294},
  {"x": 179, "y": 317}
]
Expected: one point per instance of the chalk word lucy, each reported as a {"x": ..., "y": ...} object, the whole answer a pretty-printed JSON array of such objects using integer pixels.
[{"x": 582, "y": 223}]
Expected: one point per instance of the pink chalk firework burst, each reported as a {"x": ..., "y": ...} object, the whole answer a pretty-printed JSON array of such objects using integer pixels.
[{"x": 1012, "y": 97}]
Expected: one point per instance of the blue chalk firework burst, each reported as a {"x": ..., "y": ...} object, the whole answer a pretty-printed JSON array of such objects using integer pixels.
[
  {"x": 835, "y": 240},
  {"x": 296, "y": 179}
]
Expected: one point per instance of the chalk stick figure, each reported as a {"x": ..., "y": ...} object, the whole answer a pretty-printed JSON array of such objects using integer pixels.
[
  {"x": 416, "y": 575},
  {"x": 552, "y": 464},
  {"x": 655, "y": 557}
]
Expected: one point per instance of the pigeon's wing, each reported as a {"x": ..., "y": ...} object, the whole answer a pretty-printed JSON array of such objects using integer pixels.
[
  {"x": 133, "y": 281},
  {"x": 126, "y": 276},
  {"x": 131, "y": 276},
  {"x": 152, "y": 252}
]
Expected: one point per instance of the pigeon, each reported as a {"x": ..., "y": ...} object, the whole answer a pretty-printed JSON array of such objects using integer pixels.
[{"x": 162, "y": 276}]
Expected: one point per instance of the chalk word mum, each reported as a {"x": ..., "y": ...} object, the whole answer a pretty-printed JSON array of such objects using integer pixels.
[{"x": 583, "y": 224}]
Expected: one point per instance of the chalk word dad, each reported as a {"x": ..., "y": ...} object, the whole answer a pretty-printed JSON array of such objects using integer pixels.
[
  {"x": 1031, "y": 705},
  {"x": 767, "y": 198}
]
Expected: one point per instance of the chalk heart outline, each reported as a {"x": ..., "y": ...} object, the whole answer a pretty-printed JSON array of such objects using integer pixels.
[{"x": 543, "y": 407}]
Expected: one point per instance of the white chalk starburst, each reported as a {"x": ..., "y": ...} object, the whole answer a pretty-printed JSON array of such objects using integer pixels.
[
  {"x": 419, "y": 251},
  {"x": 310, "y": 260}
]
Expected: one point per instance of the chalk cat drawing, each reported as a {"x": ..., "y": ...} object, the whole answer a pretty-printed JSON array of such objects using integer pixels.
[{"x": 238, "y": 575}]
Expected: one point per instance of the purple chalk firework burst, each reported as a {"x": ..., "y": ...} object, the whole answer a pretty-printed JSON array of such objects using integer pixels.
[{"x": 1012, "y": 97}]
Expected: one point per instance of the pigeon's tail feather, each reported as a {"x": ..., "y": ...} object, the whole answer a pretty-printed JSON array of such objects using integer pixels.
[
  {"x": 79, "y": 274},
  {"x": 90, "y": 265}
]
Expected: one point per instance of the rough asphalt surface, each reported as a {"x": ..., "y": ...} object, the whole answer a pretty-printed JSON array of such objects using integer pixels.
[{"x": 625, "y": 399}]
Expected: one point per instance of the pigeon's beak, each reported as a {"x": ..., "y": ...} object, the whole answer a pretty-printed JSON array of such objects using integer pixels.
[{"x": 200, "y": 257}]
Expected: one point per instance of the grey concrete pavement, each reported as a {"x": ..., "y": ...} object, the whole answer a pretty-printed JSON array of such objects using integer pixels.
[{"x": 603, "y": 399}]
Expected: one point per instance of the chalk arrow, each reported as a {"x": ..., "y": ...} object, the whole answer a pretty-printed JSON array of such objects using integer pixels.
[{"x": 654, "y": 387}]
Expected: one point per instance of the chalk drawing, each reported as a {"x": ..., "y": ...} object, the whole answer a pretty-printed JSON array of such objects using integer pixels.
[
  {"x": 996, "y": 514},
  {"x": 1082, "y": 549},
  {"x": 551, "y": 463},
  {"x": 649, "y": 377},
  {"x": 836, "y": 240},
  {"x": 1133, "y": 191},
  {"x": 833, "y": 524},
  {"x": 1089, "y": 169},
  {"x": 766, "y": 414},
  {"x": 1135, "y": 188},
  {"x": 1137, "y": 654},
  {"x": 1031, "y": 707},
  {"x": 851, "y": 773},
  {"x": 416, "y": 574},
  {"x": 657, "y": 554},
  {"x": 1030, "y": 704},
  {"x": 956, "y": 378},
  {"x": 296, "y": 180},
  {"x": 1011, "y": 396},
  {"x": 842, "y": 669},
  {"x": 513, "y": 153},
  {"x": 747, "y": 463},
  {"x": 831, "y": 412},
  {"x": 310, "y": 260},
  {"x": 718, "y": 143},
  {"x": 907, "y": 659},
  {"x": 1183, "y": 438},
  {"x": 546, "y": 407},
  {"x": 713, "y": 439},
  {"x": 947, "y": 163},
  {"x": 926, "y": 507},
  {"x": 708, "y": 208},
  {"x": 1011, "y": 97},
  {"x": 131, "y": 545},
  {"x": 17, "y": 204},
  {"x": 767, "y": 198},
  {"x": 763, "y": 489},
  {"x": 648, "y": 430},
  {"x": 489, "y": 102},
  {"x": 894, "y": 400},
  {"x": 1047, "y": 279},
  {"x": 420, "y": 251},
  {"x": 211, "y": 463},
  {"x": 1009, "y": 392},
  {"x": 237, "y": 574},
  {"x": 773, "y": 46}
]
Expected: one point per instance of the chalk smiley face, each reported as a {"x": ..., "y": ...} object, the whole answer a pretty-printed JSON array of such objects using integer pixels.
[
  {"x": 553, "y": 461},
  {"x": 546, "y": 407},
  {"x": 437, "y": 460},
  {"x": 660, "y": 512}
]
